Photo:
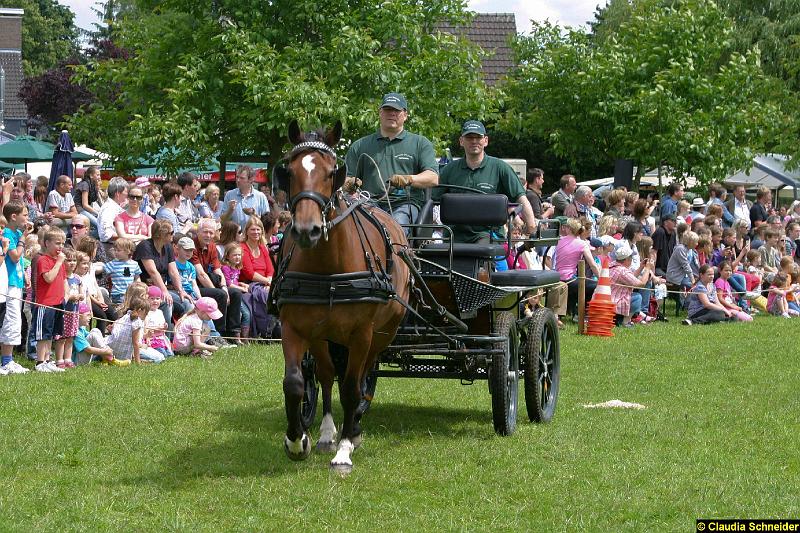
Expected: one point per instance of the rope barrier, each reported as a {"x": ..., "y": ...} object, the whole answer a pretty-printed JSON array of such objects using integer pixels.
[
  {"x": 61, "y": 310},
  {"x": 667, "y": 291}
]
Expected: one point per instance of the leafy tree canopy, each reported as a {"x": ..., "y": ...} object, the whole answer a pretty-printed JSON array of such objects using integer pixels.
[
  {"x": 665, "y": 86},
  {"x": 49, "y": 35},
  {"x": 225, "y": 78}
]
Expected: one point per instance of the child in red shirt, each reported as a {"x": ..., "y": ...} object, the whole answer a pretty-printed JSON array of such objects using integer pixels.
[{"x": 48, "y": 322}]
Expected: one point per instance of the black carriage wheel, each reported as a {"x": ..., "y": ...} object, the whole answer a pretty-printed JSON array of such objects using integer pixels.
[
  {"x": 542, "y": 366},
  {"x": 367, "y": 392},
  {"x": 308, "y": 408},
  {"x": 504, "y": 375}
]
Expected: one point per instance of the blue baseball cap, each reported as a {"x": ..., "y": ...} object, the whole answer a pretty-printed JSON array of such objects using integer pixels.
[
  {"x": 395, "y": 101},
  {"x": 474, "y": 127}
]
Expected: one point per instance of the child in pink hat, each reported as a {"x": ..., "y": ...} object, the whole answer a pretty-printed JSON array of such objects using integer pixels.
[
  {"x": 155, "y": 332},
  {"x": 191, "y": 331}
]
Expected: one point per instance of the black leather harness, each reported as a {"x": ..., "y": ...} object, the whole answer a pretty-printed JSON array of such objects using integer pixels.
[{"x": 370, "y": 286}]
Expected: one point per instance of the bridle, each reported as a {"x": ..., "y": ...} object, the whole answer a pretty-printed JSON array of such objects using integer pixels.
[{"x": 324, "y": 202}]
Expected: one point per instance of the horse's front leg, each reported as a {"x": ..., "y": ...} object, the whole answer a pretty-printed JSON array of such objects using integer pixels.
[
  {"x": 325, "y": 373},
  {"x": 296, "y": 443},
  {"x": 350, "y": 396}
]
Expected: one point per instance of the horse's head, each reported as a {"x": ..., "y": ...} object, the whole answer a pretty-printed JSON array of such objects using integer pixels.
[{"x": 312, "y": 176}]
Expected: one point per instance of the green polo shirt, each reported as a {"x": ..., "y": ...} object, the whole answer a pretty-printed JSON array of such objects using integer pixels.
[
  {"x": 493, "y": 176},
  {"x": 408, "y": 153}
]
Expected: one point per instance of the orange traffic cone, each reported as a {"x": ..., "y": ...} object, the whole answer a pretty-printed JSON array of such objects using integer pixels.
[{"x": 601, "y": 308}]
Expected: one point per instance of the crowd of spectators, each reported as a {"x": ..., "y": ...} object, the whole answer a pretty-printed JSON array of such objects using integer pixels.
[
  {"x": 135, "y": 271},
  {"x": 139, "y": 271},
  {"x": 723, "y": 259}
]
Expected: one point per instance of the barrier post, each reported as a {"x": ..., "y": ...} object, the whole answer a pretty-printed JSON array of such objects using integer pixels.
[{"x": 581, "y": 297}]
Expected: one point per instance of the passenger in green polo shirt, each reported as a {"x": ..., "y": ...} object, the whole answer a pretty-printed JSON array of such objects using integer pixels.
[
  {"x": 483, "y": 172},
  {"x": 406, "y": 159}
]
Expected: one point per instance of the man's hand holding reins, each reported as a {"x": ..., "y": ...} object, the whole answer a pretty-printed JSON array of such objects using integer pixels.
[
  {"x": 351, "y": 184},
  {"x": 402, "y": 180}
]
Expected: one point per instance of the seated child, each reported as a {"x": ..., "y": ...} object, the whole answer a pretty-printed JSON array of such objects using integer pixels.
[
  {"x": 789, "y": 267},
  {"x": 702, "y": 304},
  {"x": 155, "y": 325},
  {"x": 126, "y": 335},
  {"x": 191, "y": 332},
  {"x": 777, "y": 303},
  {"x": 189, "y": 290},
  {"x": 231, "y": 269},
  {"x": 89, "y": 345},
  {"x": 123, "y": 270},
  {"x": 725, "y": 293}
]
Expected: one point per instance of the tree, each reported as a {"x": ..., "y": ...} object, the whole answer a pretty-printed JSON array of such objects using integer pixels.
[
  {"x": 207, "y": 82},
  {"x": 51, "y": 96},
  {"x": 49, "y": 35},
  {"x": 773, "y": 26},
  {"x": 665, "y": 86}
]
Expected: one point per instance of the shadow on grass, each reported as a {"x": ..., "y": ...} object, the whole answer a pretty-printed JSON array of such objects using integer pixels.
[{"x": 255, "y": 447}]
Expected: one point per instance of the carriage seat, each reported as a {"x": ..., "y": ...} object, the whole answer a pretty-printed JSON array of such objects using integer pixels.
[
  {"x": 474, "y": 210},
  {"x": 525, "y": 278}
]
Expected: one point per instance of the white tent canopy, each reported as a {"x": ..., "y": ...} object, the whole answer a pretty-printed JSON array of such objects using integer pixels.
[
  {"x": 650, "y": 179},
  {"x": 768, "y": 170}
]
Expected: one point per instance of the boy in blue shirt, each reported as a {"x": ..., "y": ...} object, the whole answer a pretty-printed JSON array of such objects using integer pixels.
[
  {"x": 187, "y": 272},
  {"x": 17, "y": 228},
  {"x": 123, "y": 270}
]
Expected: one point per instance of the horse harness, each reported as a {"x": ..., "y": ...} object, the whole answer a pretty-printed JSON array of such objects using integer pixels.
[{"x": 373, "y": 285}]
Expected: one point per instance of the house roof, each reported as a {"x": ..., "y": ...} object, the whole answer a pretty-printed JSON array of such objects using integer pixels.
[
  {"x": 492, "y": 32},
  {"x": 14, "y": 106}
]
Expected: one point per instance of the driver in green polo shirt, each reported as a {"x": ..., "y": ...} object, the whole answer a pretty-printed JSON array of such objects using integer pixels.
[
  {"x": 483, "y": 172},
  {"x": 405, "y": 159}
]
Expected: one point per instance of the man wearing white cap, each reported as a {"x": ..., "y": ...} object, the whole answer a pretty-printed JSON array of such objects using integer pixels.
[
  {"x": 698, "y": 209},
  {"x": 485, "y": 173},
  {"x": 405, "y": 159}
]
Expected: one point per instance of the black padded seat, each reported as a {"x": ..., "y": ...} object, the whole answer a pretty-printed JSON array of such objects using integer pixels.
[
  {"x": 524, "y": 278},
  {"x": 474, "y": 209},
  {"x": 480, "y": 251}
]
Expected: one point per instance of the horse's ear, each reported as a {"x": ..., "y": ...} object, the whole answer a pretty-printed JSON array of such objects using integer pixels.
[
  {"x": 339, "y": 176},
  {"x": 334, "y": 134},
  {"x": 280, "y": 178},
  {"x": 295, "y": 136}
]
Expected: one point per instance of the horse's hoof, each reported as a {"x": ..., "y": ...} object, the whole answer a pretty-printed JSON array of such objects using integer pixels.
[
  {"x": 326, "y": 447},
  {"x": 302, "y": 453},
  {"x": 343, "y": 469}
]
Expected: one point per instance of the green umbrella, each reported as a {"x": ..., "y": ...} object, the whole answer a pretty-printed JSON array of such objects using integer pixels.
[{"x": 26, "y": 149}]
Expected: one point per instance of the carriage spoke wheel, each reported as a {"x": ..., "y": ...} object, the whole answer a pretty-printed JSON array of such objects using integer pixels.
[
  {"x": 542, "y": 366},
  {"x": 308, "y": 408},
  {"x": 504, "y": 375}
]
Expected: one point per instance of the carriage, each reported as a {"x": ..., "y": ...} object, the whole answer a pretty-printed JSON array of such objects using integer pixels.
[
  {"x": 472, "y": 323},
  {"x": 361, "y": 299}
]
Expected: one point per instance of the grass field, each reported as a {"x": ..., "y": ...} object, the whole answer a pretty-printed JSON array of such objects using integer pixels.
[{"x": 197, "y": 445}]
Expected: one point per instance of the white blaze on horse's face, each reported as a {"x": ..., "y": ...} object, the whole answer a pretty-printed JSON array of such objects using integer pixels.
[{"x": 308, "y": 163}]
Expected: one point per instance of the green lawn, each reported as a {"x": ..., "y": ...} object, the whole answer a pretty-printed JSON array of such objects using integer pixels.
[{"x": 197, "y": 445}]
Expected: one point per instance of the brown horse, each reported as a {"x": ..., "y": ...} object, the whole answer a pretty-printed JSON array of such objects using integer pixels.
[{"x": 330, "y": 239}]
